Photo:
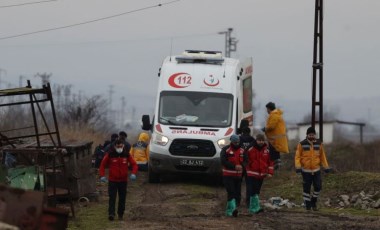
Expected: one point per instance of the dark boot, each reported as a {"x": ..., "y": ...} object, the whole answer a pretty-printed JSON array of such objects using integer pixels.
[
  {"x": 314, "y": 204},
  {"x": 308, "y": 205}
]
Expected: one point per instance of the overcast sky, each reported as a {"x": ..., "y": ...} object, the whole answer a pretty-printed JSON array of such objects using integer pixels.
[{"x": 126, "y": 51}]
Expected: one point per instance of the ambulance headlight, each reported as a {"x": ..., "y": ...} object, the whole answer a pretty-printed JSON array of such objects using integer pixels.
[
  {"x": 160, "y": 139},
  {"x": 223, "y": 142}
]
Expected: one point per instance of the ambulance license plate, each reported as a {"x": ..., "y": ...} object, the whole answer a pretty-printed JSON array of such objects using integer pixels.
[{"x": 191, "y": 162}]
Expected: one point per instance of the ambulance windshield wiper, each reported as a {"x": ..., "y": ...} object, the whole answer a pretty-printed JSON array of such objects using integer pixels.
[{"x": 168, "y": 121}]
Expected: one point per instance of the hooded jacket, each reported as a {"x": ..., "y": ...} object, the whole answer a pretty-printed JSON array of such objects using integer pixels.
[
  {"x": 275, "y": 130},
  {"x": 140, "y": 150},
  {"x": 310, "y": 156},
  {"x": 118, "y": 165}
]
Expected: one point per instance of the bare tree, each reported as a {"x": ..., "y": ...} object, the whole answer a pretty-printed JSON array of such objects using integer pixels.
[{"x": 89, "y": 112}]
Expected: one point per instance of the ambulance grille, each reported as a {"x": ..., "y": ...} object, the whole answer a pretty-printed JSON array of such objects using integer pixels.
[{"x": 192, "y": 148}]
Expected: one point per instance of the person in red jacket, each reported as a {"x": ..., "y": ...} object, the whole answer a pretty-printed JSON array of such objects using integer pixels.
[
  {"x": 232, "y": 158},
  {"x": 258, "y": 167},
  {"x": 117, "y": 159}
]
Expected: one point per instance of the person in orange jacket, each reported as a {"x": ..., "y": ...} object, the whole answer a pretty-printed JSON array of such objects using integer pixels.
[
  {"x": 117, "y": 159},
  {"x": 140, "y": 151},
  {"x": 310, "y": 155}
]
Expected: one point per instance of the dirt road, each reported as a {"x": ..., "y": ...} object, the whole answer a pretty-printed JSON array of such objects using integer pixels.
[{"x": 199, "y": 203}]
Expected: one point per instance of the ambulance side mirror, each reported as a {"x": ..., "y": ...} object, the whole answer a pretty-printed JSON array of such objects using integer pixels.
[{"x": 146, "y": 125}]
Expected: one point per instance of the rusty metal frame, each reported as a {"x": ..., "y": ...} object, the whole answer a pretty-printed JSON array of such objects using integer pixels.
[
  {"x": 34, "y": 103},
  {"x": 55, "y": 151}
]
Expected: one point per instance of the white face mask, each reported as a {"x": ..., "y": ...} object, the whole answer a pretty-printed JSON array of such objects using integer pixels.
[{"x": 119, "y": 150}]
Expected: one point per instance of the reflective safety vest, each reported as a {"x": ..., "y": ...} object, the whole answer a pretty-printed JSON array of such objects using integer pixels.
[
  {"x": 310, "y": 156},
  {"x": 233, "y": 157}
]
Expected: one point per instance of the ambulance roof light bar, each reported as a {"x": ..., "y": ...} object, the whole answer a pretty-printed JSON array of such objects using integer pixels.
[{"x": 200, "y": 56}]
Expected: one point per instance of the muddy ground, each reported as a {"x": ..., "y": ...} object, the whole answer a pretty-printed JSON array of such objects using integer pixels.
[{"x": 199, "y": 203}]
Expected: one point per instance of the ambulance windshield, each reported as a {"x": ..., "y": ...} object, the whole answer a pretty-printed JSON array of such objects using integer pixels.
[{"x": 195, "y": 109}]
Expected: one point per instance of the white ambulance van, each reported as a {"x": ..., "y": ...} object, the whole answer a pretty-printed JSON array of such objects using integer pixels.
[{"x": 203, "y": 98}]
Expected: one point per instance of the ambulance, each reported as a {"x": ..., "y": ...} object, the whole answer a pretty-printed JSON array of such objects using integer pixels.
[{"x": 203, "y": 98}]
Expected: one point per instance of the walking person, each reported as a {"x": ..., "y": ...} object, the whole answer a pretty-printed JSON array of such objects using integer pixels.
[
  {"x": 117, "y": 160},
  {"x": 232, "y": 161},
  {"x": 259, "y": 166},
  {"x": 310, "y": 155},
  {"x": 275, "y": 131}
]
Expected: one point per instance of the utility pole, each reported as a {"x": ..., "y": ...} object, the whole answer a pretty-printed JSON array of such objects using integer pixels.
[
  {"x": 44, "y": 78},
  {"x": 80, "y": 94},
  {"x": 74, "y": 98},
  {"x": 230, "y": 42},
  {"x": 109, "y": 112},
  {"x": 1, "y": 74},
  {"x": 318, "y": 67},
  {"x": 20, "y": 80},
  {"x": 67, "y": 93},
  {"x": 122, "y": 112},
  {"x": 58, "y": 92},
  {"x": 133, "y": 113}
]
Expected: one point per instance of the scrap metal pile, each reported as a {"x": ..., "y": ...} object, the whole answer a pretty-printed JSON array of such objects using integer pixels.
[{"x": 38, "y": 170}]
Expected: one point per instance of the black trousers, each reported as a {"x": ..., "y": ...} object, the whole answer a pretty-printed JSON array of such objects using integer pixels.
[
  {"x": 310, "y": 179},
  {"x": 114, "y": 189},
  {"x": 253, "y": 186},
  {"x": 273, "y": 153},
  {"x": 233, "y": 188}
]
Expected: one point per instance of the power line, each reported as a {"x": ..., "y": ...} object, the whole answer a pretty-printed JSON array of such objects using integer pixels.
[
  {"x": 28, "y": 3},
  {"x": 184, "y": 36},
  {"x": 87, "y": 22}
]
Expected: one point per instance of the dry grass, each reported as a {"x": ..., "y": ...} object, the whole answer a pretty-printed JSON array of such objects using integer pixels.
[
  {"x": 88, "y": 134},
  {"x": 355, "y": 157},
  {"x": 83, "y": 134}
]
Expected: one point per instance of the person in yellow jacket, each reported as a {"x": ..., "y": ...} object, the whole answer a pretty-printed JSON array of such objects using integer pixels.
[
  {"x": 310, "y": 155},
  {"x": 140, "y": 151},
  {"x": 275, "y": 131}
]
